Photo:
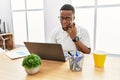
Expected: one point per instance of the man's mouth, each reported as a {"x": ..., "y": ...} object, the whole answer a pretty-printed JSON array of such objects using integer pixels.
[{"x": 65, "y": 28}]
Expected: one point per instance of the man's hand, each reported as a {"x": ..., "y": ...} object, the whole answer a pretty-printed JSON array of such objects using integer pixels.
[{"x": 72, "y": 31}]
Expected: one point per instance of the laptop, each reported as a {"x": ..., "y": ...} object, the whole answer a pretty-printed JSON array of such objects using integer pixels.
[{"x": 47, "y": 51}]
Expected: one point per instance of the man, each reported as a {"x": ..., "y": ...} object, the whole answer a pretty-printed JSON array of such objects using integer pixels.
[{"x": 69, "y": 35}]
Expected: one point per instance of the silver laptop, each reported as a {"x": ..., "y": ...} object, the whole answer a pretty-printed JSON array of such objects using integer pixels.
[{"x": 48, "y": 51}]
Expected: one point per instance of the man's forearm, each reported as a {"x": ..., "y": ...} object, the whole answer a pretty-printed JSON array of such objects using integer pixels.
[{"x": 81, "y": 47}]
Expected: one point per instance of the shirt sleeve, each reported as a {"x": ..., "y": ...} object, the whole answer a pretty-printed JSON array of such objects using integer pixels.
[
  {"x": 85, "y": 39},
  {"x": 53, "y": 37}
]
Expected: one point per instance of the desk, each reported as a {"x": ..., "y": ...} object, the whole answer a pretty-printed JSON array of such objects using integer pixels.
[
  {"x": 53, "y": 70},
  {"x": 9, "y": 42}
]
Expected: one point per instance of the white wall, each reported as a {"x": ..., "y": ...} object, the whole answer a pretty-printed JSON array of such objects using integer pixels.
[
  {"x": 52, "y": 8},
  {"x": 5, "y": 13}
]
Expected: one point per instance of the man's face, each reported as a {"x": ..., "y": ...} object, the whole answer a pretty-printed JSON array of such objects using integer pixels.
[{"x": 66, "y": 19}]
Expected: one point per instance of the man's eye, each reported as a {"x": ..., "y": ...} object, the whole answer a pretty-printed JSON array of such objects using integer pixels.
[
  {"x": 65, "y": 18},
  {"x": 68, "y": 18}
]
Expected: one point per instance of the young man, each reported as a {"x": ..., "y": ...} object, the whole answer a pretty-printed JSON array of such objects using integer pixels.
[{"x": 71, "y": 36}]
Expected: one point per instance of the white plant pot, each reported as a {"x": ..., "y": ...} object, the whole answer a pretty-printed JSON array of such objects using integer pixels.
[{"x": 32, "y": 70}]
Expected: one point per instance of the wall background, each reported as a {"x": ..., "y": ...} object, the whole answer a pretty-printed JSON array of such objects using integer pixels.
[{"x": 5, "y": 14}]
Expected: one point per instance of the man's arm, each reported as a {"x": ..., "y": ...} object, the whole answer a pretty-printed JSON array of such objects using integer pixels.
[{"x": 79, "y": 45}]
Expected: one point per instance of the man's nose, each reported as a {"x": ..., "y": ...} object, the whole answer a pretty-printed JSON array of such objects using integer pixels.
[{"x": 64, "y": 21}]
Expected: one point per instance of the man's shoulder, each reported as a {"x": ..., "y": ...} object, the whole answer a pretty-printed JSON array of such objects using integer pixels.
[
  {"x": 80, "y": 28},
  {"x": 57, "y": 29}
]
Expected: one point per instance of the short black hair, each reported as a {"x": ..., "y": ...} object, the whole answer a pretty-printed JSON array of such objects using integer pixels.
[{"x": 68, "y": 7}]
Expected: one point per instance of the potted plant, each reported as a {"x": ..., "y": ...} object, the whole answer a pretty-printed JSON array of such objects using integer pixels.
[{"x": 31, "y": 63}]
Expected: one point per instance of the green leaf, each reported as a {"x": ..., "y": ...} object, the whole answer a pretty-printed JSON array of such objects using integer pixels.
[{"x": 31, "y": 61}]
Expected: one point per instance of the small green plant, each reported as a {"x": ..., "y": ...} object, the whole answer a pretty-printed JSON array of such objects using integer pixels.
[{"x": 31, "y": 61}]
